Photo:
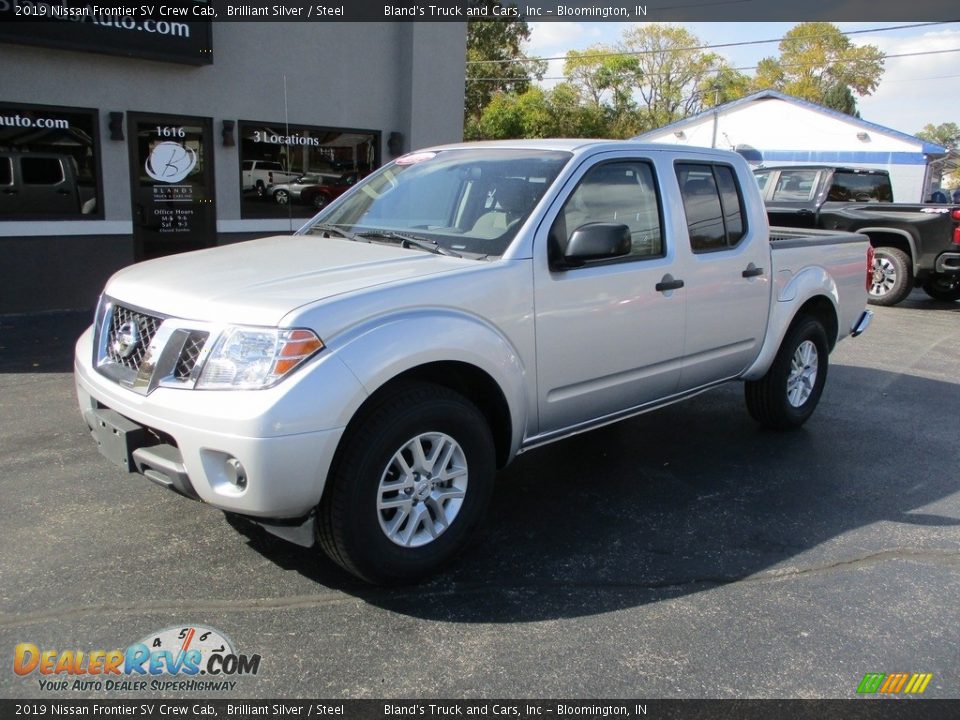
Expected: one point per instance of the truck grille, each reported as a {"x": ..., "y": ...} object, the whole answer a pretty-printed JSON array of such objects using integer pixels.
[
  {"x": 144, "y": 327},
  {"x": 190, "y": 354}
]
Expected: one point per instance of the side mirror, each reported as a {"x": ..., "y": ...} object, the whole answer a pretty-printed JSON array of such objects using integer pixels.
[{"x": 597, "y": 241}]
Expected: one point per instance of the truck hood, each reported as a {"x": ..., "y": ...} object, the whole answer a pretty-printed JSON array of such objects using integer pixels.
[{"x": 259, "y": 281}]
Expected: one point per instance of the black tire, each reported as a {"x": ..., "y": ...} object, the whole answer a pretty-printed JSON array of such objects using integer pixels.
[
  {"x": 352, "y": 526},
  {"x": 943, "y": 287},
  {"x": 319, "y": 201},
  {"x": 770, "y": 399},
  {"x": 282, "y": 197},
  {"x": 261, "y": 189},
  {"x": 892, "y": 277}
]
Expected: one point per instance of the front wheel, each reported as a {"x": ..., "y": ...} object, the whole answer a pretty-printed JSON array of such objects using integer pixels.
[
  {"x": 282, "y": 197},
  {"x": 409, "y": 486},
  {"x": 319, "y": 201},
  {"x": 787, "y": 395},
  {"x": 943, "y": 287},
  {"x": 892, "y": 277}
]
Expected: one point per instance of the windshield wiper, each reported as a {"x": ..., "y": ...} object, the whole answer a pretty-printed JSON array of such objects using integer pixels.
[
  {"x": 328, "y": 228},
  {"x": 411, "y": 241}
]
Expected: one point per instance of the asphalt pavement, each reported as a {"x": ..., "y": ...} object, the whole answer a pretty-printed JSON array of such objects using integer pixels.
[{"x": 684, "y": 553}]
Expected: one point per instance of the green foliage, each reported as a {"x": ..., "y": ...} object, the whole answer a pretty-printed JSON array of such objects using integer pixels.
[
  {"x": 673, "y": 80},
  {"x": 819, "y": 63},
  {"x": 602, "y": 77},
  {"x": 495, "y": 40},
  {"x": 945, "y": 134},
  {"x": 537, "y": 114},
  {"x": 654, "y": 76}
]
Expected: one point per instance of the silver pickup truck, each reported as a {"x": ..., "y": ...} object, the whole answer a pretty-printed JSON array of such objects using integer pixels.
[{"x": 357, "y": 385}]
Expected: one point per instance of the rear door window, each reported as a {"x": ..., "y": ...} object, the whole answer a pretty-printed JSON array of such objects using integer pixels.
[
  {"x": 795, "y": 185},
  {"x": 712, "y": 204}
]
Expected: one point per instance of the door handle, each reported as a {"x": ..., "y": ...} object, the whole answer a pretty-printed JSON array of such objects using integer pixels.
[
  {"x": 668, "y": 282},
  {"x": 752, "y": 271}
]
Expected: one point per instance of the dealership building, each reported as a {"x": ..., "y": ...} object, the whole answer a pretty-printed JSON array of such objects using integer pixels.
[{"x": 124, "y": 142}]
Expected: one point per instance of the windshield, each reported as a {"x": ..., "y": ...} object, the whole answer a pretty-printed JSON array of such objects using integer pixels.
[{"x": 468, "y": 202}]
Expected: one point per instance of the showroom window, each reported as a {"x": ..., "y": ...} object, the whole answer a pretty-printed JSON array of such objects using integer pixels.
[
  {"x": 49, "y": 163},
  {"x": 294, "y": 170}
]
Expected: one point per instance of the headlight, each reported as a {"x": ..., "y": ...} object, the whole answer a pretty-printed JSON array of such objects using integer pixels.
[{"x": 246, "y": 358}]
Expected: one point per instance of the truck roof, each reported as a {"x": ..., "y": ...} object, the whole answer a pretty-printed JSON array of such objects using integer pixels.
[
  {"x": 582, "y": 146},
  {"x": 824, "y": 166}
]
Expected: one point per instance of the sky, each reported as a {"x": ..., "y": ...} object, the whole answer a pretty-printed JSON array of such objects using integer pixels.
[{"x": 913, "y": 91}]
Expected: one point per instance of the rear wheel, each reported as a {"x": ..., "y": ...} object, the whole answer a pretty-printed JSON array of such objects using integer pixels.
[
  {"x": 943, "y": 287},
  {"x": 892, "y": 276},
  {"x": 410, "y": 485},
  {"x": 282, "y": 197},
  {"x": 319, "y": 201},
  {"x": 787, "y": 395}
]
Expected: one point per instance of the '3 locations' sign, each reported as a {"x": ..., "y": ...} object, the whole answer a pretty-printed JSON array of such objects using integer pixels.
[{"x": 85, "y": 25}]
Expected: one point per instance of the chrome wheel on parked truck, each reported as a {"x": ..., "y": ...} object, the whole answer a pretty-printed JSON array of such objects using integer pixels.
[
  {"x": 410, "y": 484},
  {"x": 892, "y": 277},
  {"x": 422, "y": 489},
  {"x": 787, "y": 395}
]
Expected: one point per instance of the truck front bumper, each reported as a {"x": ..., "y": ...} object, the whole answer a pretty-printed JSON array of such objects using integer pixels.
[{"x": 259, "y": 453}]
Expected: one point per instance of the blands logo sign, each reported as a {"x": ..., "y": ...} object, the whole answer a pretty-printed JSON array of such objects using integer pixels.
[{"x": 894, "y": 683}]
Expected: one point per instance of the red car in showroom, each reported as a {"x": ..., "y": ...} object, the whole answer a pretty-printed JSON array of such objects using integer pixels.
[{"x": 320, "y": 195}]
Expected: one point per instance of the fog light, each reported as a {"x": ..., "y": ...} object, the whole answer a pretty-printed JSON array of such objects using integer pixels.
[{"x": 235, "y": 473}]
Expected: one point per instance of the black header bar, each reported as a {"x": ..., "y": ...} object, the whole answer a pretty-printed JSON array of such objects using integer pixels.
[{"x": 99, "y": 11}]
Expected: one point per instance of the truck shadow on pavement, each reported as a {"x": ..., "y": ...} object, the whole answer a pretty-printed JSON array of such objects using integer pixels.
[{"x": 690, "y": 498}]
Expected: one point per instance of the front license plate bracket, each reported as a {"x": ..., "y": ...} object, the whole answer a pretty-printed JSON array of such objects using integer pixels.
[{"x": 117, "y": 437}]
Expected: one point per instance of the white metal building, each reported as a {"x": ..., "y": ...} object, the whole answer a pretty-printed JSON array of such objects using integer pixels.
[{"x": 778, "y": 129}]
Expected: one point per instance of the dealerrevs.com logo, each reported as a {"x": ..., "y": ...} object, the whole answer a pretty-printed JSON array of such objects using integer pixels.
[{"x": 174, "y": 659}]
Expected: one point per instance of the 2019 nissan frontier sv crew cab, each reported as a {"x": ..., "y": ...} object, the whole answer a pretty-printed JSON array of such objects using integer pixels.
[{"x": 357, "y": 384}]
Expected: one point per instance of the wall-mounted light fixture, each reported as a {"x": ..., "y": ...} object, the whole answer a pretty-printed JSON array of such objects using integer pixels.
[
  {"x": 116, "y": 125},
  {"x": 226, "y": 133},
  {"x": 863, "y": 137},
  {"x": 395, "y": 144}
]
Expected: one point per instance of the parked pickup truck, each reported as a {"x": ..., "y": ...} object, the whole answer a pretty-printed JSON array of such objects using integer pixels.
[
  {"x": 915, "y": 244},
  {"x": 358, "y": 384},
  {"x": 261, "y": 175}
]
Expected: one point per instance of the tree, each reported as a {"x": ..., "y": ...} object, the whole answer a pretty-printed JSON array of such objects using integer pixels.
[
  {"x": 819, "y": 63},
  {"x": 948, "y": 136},
  {"x": 725, "y": 86},
  {"x": 536, "y": 113},
  {"x": 600, "y": 74},
  {"x": 673, "y": 79},
  {"x": 495, "y": 62},
  {"x": 945, "y": 134}
]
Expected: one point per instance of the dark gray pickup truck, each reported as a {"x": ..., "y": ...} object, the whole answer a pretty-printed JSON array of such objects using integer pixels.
[{"x": 914, "y": 244}]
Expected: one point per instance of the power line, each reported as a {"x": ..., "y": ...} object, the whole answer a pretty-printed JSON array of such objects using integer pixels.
[
  {"x": 701, "y": 47},
  {"x": 746, "y": 67}
]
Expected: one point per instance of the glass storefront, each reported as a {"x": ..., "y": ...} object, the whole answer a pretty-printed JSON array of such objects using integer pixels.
[
  {"x": 49, "y": 163},
  {"x": 293, "y": 170}
]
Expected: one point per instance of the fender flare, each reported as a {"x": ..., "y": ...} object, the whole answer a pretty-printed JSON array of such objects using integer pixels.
[
  {"x": 383, "y": 348},
  {"x": 911, "y": 241},
  {"x": 809, "y": 283}
]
